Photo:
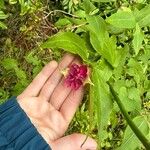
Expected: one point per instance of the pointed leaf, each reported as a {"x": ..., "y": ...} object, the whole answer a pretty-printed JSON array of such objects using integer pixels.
[
  {"x": 130, "y": 141},
  {"x": 122, "y": 19},
  {"x": 145, "y": 21},
  {"x": 100, "y": 40},
  {"x": 62, "y": 22},
  {"x": 138, "y": 38},
  {"x": 143, "y": 16},
  {"x": 88, "y": 6},
  {"x": 142, "y": 13},
  {"x": 130, "y": 98},
  {"x": 69, "y": 42},
  {"x": 102, "y": 100}
]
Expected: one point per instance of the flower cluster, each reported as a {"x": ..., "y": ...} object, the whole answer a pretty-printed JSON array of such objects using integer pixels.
[{"x": 76, "y": 75}]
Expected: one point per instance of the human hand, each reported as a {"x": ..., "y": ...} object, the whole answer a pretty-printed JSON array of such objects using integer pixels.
[{"x": 51, "y": 106}]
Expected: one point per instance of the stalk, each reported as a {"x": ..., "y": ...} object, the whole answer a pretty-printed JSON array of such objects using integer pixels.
[{"x": 134, "y": 128}]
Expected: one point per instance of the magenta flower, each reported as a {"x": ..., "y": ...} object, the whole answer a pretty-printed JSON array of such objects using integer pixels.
[{"x": 76, "y": 75}]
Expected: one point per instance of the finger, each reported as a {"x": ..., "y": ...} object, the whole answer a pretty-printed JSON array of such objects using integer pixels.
[
  {"x": 61, "y": 91},
  {"x": 35, "y": 86},
  {"x": 71, "y": 104},
  {"x": 74, "y": 142},
  {"x": 53, "y": 81}
]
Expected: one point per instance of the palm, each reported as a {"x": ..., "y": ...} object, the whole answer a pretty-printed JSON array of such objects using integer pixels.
[
  {"x": 45, "y": 117},
  {"x": 51, "y": 106}
]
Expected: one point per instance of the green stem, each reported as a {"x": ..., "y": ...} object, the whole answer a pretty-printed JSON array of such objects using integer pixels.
[{"x": 134, "y": 128}]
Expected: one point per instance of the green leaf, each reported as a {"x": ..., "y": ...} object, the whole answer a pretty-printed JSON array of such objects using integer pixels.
[
  {"x": 33, "y": 59},
  {"x": 136, "y": 70},
  {"x": 25, "y": 7},
  {"x": 103, "y": 102},
  {"x": 12, "y": 2},
  {"x": 105, "y": 69},
  {"x": 142, "y": 13},
  {"x": 100, "y": 40},
  {"x": 69, "y": 42},
  {"x": 143, "y": 16},
  {"x": 62, "y": 22},
  {"x": 80, "y": 13},
  {"x": 88, "y": 7},
  {"x": 122, "y": 19},
  {"x": 138, "y": 39},
  {"x": 2, "y": 25},
  {"x": 1, "y": 4},
  {"x": 9, "y": 63},
  {"x": 2, "y": 15},
  {"x": 130, "y": 98},
  {"x": 114, "y": 30},
  {"x": 145, "y": 21},
  {"x": 20, "y": 74},
  {"x": 130, "y": 141},
  {"x": 97, "y": 25}
]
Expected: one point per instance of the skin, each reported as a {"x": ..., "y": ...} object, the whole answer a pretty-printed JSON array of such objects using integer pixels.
[{"x": 51, "y": 106}]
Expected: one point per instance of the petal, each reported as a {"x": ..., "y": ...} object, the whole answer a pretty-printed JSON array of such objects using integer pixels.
[
  {"x": 83, "y": 71},
  {"x": 73, "y": 69},
  {"x": 78, "y": 84}
]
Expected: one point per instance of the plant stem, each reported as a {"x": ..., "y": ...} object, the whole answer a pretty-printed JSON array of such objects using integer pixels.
[{"x": 134, "y": 128}]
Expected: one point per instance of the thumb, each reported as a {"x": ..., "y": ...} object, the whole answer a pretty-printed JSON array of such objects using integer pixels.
[{"x": 74, "y": 142}]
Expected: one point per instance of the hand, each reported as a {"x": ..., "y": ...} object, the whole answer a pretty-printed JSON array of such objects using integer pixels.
[{"x": 51, "y": 106}]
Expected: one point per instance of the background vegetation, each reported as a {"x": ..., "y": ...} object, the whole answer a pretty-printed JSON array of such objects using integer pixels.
[{"x": 113, "y": 36}]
